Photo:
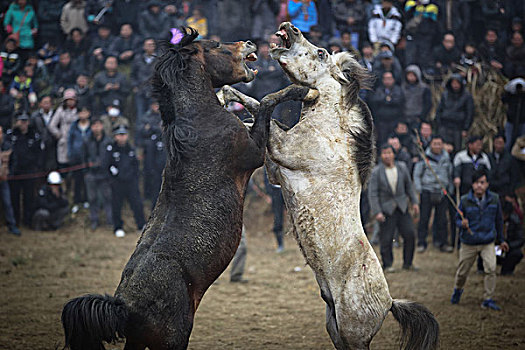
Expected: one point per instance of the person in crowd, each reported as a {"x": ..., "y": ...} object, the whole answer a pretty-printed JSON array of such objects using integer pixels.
[
  {"x": 432, "y": 194},
  {"x": 515, "y": 60},
  {"x": 503, "y": 168},
  {"x": 389, "y": 191},
  {"x": 52, "y": 206},
  {"x": 7, "y": 107},
  {"x": 421, "y": 28},
  {"x": 335, "y": 46},
  {"x": 480, "y": 227},
  {"x": 78, "y": 45},
  {"x": 60, "y": 124},
  {"x": 127, "y": 11},
  {"x": 141, "y": 72},
  {"x": 121, "y": 164},
  {"x": 274, "y": 191},
  {"x": 455, "y": 111},
  {"x": 48, "y": 15},
  {"x": 20, "y": 21},
  {"x": 492, "y": 50},
  {"x": 402, "y": 132},
  {"x": 49, "y": 55},
  {"x": 5, "y": 194},
  {"x": 514, "y": 98},
  {"x": 303, "y": 14},
  {"x": 199, "y": 22},
  {"x": 110, "y": 84},
  {"x": 386, "y": 104},
  {"x": 113, "y": 118},
  {"x": 175, "y": 18},
  {"x": 385, "y": 24},
  {"x": 455, "y": 17},
  {"x": 149, "y": 132},
  {"x": 74, "y": 16},
  {"x": 270, "y": 77},
  {"x": 239, "y": 261},
  {"x": 425, "y": 135},
  {"x": 350, "y": 16},
  {"x": 367, "y": 56},
  {"x": 40, "y": 120},
  {"x": 124, "y": 47},
  {"x": 386, "y": 62},
  {"x": 25, "y": 159},
  {"x": 470, "y": 56},
  {"x": 79, "y": 132},
  {"x": 96, "y": 179},
  {"x": 11, "y": 60},
  {"x": 40, "y": 78},
  {"x": 82, "y": 89},
  {"x": 22, "y": 91},
  {"x": 467, "y": 162},
  {"x": 513, "y": 234},
  {"x": 446, "y": 56},
  {"x": 152, "y": 21},
  {"x": 349, "y": 42},
  {"x": 401, "y": 154},
  {"x": 264, "y": 22},
  {"x": 418, "y": 98},
  {"x": 100, "y": 48},
  {"x": 64, "y": 75}
]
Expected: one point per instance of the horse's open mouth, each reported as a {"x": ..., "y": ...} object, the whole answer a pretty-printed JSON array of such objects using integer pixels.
[
  {"x": 285, "y": 39},
  {"x": 250, "y": 56}
]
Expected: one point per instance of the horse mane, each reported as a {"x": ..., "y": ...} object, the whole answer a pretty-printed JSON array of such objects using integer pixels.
[
  {"x": 354, "y": 78},
  {"x": 179, "y": 135}
]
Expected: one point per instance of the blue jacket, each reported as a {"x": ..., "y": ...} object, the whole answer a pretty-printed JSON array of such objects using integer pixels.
[
  {"x": 75, "y": 143},
  {"x": 302, "y": 16},
  {"x": 485, "y": 220}
]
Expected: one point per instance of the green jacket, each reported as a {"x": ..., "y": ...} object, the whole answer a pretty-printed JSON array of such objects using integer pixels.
[{"x": 14, "y": 16}]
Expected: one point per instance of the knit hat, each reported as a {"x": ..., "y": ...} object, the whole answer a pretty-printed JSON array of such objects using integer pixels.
[{"x": 70, "y": 94}]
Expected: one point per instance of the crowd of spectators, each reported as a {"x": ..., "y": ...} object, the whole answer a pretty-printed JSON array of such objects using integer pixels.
[{"x": 74, "y": 75}]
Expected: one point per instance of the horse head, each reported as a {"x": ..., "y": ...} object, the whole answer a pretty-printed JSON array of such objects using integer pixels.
[
  {"x": 311, "y": 66},
  {"x": 222, "y": 63}
]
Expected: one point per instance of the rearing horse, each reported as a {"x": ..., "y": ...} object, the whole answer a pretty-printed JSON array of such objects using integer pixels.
[
  {"x": 321, "y": 164},
  {"x": 196, "y": 225}
]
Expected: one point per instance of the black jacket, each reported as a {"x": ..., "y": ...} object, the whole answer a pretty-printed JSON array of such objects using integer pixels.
[
  {"x": 7, "y": 109},
  {"x": 120, "y": 163},
  {"x": 27, "y": 149},
  {"x": 107, "y": 96},
  {"x": 503, "y": 172},
  {"x": 93, "y": 152},
  {"x": 141, "y": 72},
  {"x": 46, "y": 199},
  {"x": 387, "y": 105},
  {"x": 456, "y": 109}
]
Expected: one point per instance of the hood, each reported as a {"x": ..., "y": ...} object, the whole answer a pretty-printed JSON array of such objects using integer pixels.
[
  {"x": 393, "y": 13},
  {"x": 416, "y": 70},
  {"x": 457, "y": 77},
  {"x": 511, "y": 85},
  {"x": 430, "y": 155},
  {"x": 154, "y": 3}
]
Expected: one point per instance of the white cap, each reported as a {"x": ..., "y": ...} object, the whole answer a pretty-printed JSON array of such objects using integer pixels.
[{"x": 54, "y": 178}]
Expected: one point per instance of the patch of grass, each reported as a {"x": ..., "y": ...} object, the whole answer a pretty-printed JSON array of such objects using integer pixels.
[{"x": 18, "y": 261}]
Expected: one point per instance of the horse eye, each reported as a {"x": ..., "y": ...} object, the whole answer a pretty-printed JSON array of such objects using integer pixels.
[{"x": 321, "y": 54}]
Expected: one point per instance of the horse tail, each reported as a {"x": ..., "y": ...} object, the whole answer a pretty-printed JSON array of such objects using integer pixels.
[
  {"x": 91, "y": 319},
  {"x": 419, "y": 327}
]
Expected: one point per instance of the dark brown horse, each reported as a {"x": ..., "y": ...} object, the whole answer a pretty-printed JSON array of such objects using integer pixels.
[{"x": 195, "y": 227}]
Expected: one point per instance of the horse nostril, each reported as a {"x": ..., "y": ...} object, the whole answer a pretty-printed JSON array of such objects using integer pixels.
[{"x": 250, "y": 44}]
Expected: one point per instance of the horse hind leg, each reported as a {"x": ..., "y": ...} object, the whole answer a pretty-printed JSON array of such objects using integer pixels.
[{"x": 331, "y": 317}]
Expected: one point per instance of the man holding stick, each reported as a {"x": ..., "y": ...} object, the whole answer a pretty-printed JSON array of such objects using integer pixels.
[{"x": 481, "y": 225}]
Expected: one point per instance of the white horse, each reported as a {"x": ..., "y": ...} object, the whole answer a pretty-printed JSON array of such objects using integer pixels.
[{"x": 321, "y": 164}]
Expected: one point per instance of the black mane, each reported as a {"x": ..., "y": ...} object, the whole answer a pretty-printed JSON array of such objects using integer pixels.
[
  {"x": 365, "y": 143},
  {"x": 179, "y": 135}
]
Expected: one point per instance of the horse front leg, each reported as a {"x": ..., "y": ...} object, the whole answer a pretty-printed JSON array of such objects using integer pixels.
[{"x": 229, "y": 94}]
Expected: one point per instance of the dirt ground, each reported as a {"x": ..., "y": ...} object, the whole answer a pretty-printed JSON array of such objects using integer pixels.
[{"x": 280, "y": 307}]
